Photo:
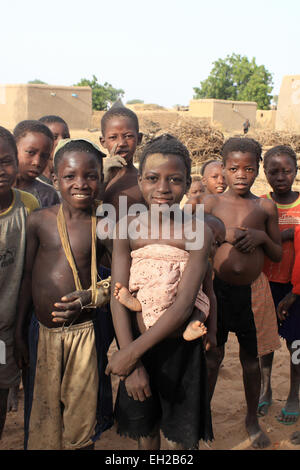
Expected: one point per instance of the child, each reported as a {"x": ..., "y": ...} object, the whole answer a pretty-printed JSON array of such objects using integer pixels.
[
  {"x": 120, "y": 136},
  {"x": 280, "y": 165},
  {"x": 166, "y": 290},
  {"x": 35, "y": 143},
  {"x": 60, "y": 130},
  {"x": 285, "y": 305},
  {"x": 165, "y": 382},
  {"x": 195, "y": 193},
  {"x": 68, "y": 396},
  {"x": 15, "y": 205},
  {"x": 244, "y": 301},
  {"x": 213, "y": 177}
]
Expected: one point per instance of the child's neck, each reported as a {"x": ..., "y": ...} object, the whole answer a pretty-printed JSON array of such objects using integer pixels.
[
  {"x": 6, "y": 200},
  {"x": 74, "y": 213},
  {"x": 23, "y": 183},
  {"x": 286, "y": 198}
]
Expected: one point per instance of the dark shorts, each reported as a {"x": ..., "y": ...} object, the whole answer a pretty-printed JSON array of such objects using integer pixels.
[
  {"x": 235, "y": 314},
  {"x": 179, "y": 404},
  {"x": 289, "y": 329}
]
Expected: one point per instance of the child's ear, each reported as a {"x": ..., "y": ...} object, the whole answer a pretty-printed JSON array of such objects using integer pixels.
[
  {"x": 102, "y": 141},
  {"x": 140, "y": 138},
  {"x": 55, "y": 182},
  {"x": 139, "y": 180}
]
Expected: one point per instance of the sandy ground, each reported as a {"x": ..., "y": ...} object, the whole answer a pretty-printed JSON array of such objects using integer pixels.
[{"x": 228, "y": 411}]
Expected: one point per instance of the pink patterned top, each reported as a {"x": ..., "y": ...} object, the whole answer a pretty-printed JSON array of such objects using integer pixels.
[{"x": 155, "y": 273}]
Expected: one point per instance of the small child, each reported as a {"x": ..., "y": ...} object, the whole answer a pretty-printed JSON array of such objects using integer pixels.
[
  {"x": 280, "y": 165},
  {"x": 34, "y": 143},
  {"x": 165, "y": 384},
  {"x": 166, "y": 290},
  {"x": 120, "y": 136},
  {"x": 60, "y": 130},
  {"x": 68, "y": 399},
  {"x": 244, "y": 300},
  {"x": 195, "y": 193},
  {"x": 15, "y": 206},
  {"x": 213, "y": 179}
]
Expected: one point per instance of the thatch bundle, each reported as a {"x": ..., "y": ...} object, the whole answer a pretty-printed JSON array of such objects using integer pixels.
[
  {"x": 269, "y": 138},
  {"x": 202, "y": 140}
]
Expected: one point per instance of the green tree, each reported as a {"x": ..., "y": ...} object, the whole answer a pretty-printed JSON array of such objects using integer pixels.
[
  {"x": 102, "y": 95},
  {"x": 135, "y": 101},
  {"x": 236, "y": 78},
  {"x": 37, "y": 82}
]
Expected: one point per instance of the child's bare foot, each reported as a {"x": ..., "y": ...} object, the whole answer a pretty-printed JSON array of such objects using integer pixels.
[
  {"x": 194, "y": 330},
  {"x": 125, "y": 298}
]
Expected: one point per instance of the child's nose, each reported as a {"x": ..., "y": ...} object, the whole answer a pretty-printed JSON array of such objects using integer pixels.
[
  {"x": 80, "y": 182},
  {"x": 163, "y": 186}
]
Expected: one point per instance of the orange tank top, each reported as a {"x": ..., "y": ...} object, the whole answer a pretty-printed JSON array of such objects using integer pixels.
[{"x": 288, "y": 217}]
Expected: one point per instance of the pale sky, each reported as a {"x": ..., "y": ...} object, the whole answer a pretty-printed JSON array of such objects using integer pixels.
[{"x": 156, "y": 50}]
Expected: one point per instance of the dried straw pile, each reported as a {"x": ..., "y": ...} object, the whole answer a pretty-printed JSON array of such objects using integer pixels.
[
  {"x": 269, "y": 138},
  {"x": 202, "y": 140}
]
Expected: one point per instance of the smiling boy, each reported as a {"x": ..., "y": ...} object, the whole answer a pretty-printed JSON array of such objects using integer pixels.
[
  {"x": 69, "y": 407},
  {"x": 245, "y": 304}
]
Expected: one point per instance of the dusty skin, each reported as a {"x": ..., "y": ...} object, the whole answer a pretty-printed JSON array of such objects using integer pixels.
[{"x": 228, "y": 411}]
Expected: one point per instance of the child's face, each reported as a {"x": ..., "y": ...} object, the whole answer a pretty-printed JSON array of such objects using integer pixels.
[
  {"x": 240, "y": 171},
  {"x": 79, "y": 178},
  {"x": 280, "y": 173},
  {"x": 120, "y": 132},
  {"x": 59, "y": 131},
  {"x": 163, "y": 180},
  {"x": 34, "y": 150},
  {"x": 213, "y": 178},
  {"x": 8, "y": 167},
  {"x": 196, "y": 189}
]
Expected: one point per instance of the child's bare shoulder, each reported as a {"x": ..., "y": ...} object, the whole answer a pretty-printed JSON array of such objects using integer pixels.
[
  {"x": 42, "y": 216},
  {"x": 267, "y": 205}
]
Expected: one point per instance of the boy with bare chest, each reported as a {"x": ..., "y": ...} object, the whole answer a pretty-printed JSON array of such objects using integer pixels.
[
  {"x": 62, "y": 254},
  {"x": 244, "y": 300}
]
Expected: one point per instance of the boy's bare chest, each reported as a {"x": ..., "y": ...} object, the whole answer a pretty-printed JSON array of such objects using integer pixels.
[{"x": 245, "y": 213}]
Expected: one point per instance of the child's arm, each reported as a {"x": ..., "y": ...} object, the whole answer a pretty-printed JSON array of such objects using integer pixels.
[
  {"x": 122, "y": 362},
  {"x": 211, "y": 322},
  {"x": 137, "y": 383},
  {"x": 24, "y": 305},
  {"x": 269, "y": 239}
]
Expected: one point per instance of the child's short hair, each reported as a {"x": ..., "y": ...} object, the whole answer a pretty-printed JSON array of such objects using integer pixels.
[
  {"x": 196, "y": 178},
  {"x": 280, "y": 150},
  {"x": 208, "y": 163},
  {"x": 51, "y": 118},
  {"x": 78, "y": 145},
  {"x": 118, "y": 110},
  {"x": 166, "y": 144},
  {"x": 30, "y": 125},
  {"x": 242, "y": 144},
  {"x": 9, "y": 138}
]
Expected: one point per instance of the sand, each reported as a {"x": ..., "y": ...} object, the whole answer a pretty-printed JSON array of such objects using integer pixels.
[{"x": 228, "y": 411}]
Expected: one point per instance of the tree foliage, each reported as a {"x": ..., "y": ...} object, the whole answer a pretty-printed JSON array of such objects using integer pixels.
[
  {"x": 238, "y": 79},
  {"x": 102, "y": 95},
  {"x": 135, "y": 101},
  {"x": 36, "y": 81}
]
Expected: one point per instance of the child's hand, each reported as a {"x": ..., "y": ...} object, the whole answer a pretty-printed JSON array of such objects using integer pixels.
[
  {"x": 70, "y": 307},
  {"x": 121, "y": 363},
  {"x": 137, "y": 383},
  {"x": 234, "y": 234},
  {"x": 285, "y": 304},
  {"x": 287, "y": 234},
  {"x": 111, "y": 164},
  {"x": 21, "y": 352},
  {"x": 250, "y": 240}
]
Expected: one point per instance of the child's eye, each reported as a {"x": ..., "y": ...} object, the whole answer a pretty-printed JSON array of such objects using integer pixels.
[
  {"x": 176, "y": 180},
  {"x": 232, "y": 169},
  {"x": 151, "y": 178},
  {"x": 250, "y": 170}
]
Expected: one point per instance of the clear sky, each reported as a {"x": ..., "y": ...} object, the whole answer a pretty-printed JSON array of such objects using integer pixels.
[{"x": 156, "y": 50}]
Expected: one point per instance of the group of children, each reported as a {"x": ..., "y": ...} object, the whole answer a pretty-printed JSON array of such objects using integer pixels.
[{"x": 171, "y": 308}]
